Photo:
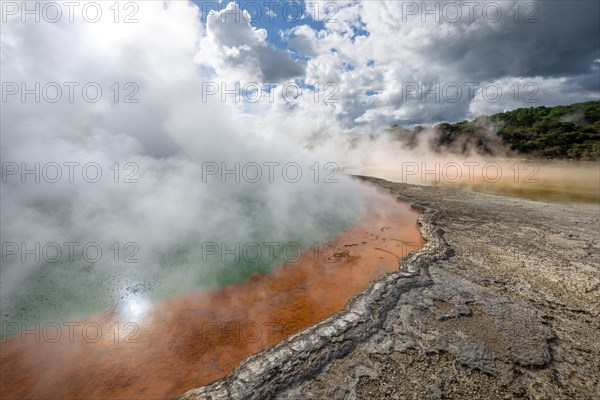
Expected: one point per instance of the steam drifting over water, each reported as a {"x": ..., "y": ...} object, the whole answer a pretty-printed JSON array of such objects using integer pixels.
[{"x": 137, "y": 180}]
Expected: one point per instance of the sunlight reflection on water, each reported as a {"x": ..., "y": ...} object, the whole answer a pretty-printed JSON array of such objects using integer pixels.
[{"x": 134, "y": 308}]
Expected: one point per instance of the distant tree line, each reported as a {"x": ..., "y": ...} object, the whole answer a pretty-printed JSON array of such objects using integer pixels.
[{"x": 561, "y": 132}]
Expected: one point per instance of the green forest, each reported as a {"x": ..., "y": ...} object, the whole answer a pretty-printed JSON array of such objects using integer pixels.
[{"x": 561, "y": 132}]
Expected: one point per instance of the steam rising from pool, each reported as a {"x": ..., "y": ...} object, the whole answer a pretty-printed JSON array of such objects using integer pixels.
[{"x": 155, "y": 203}]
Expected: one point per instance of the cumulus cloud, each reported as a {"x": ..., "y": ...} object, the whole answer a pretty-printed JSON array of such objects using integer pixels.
[
  {"x": 238, "y": 51},
  {"x": 404, "y": 43}
]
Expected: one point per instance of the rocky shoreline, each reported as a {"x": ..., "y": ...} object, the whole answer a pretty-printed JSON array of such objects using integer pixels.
[{"x": 503, "y": 301}]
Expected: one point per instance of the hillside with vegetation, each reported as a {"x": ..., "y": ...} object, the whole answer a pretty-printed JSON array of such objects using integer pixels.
[{"x": 561, "y": 132}]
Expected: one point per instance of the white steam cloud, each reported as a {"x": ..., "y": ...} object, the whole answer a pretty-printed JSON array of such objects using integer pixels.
[{"x": 171, "y": 206}]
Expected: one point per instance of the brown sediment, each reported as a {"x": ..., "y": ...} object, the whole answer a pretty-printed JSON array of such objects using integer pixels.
[{"x": 193, "y": 340}]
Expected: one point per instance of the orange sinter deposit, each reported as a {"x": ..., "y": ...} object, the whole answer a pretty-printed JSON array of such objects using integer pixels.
[{"x": 162, "y": 350}]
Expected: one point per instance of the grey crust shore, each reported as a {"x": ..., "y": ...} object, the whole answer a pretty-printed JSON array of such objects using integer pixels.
[{"x": 502, "y": 302}]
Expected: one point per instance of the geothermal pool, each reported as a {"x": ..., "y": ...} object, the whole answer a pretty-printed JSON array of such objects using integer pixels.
[{"x": 161, "y": 349}]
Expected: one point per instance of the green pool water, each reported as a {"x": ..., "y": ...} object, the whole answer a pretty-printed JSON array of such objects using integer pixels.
[{"x": 60, "y": 292}]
